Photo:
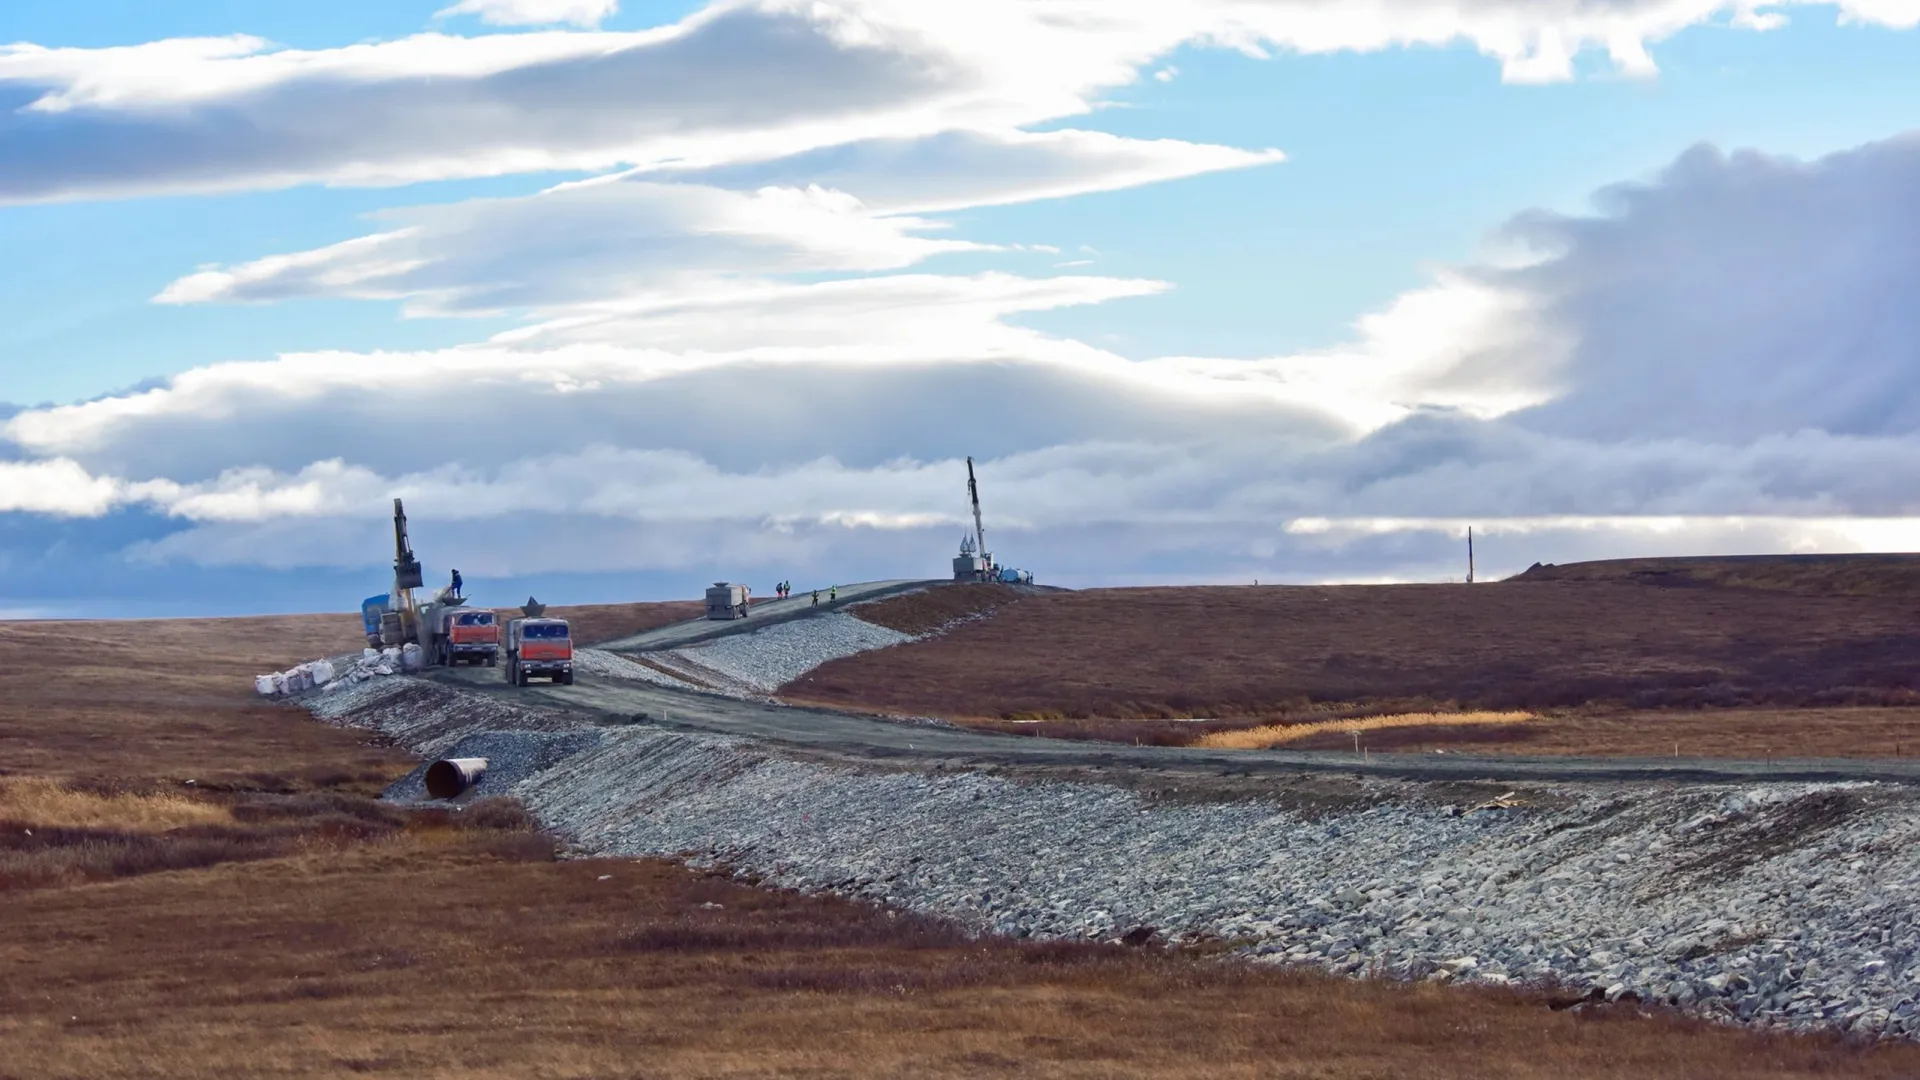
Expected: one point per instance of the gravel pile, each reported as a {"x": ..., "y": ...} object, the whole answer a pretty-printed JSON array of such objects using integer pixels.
[
  {"x": 614, "y": 666},
  {"x": 764, "y": 660},
  {"x": 1790, "y": 905},
  {"x": 341, "y": 698},
  {"x": 430, "y": 718}
]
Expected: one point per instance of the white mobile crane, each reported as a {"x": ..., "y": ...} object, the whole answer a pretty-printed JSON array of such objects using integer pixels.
[{"x": 975, "y": 562}]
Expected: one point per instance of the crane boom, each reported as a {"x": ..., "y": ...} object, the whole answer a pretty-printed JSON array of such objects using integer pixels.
[{"x": 973, "y": 493}]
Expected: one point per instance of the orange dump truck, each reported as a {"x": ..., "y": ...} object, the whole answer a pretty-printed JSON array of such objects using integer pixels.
[
  {"x": 464, "y": 636},
  {"x": 539, "y": 647}
]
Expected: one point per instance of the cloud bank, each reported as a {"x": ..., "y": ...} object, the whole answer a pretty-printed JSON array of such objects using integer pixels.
[
  {"x": 1679, "y": 356},
  {"x": 739, "y": 81},
  {"x": 747, "y": 351}
]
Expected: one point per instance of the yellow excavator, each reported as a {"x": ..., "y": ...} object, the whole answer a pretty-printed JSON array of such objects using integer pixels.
[{"x": 396, "y": 617}]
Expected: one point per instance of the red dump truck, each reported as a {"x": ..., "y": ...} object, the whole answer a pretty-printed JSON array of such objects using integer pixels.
[
  {"x": 539, "y": 647},
  {"x": 463, "y": 636}
]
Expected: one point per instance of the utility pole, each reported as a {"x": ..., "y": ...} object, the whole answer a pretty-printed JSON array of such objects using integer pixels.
[{"x": 1469, "y": 554}]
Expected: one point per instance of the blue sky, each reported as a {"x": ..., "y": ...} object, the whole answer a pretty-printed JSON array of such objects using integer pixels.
[{"x": 1313, "y": 369}]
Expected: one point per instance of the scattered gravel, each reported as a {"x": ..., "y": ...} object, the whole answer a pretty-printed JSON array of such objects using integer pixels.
[
  {"x": 431, "y": 718},
  {"x": 614, "y": 666},
  {"x": 1786, "y": 905},
  {"x": 762, "y": 661},
  {"x": 512, "y": 756}
]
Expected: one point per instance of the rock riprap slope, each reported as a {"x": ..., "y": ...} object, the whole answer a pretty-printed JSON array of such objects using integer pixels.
[
  {"x": 1776, "y": 904},
  {"x": 761, "y": 661}
]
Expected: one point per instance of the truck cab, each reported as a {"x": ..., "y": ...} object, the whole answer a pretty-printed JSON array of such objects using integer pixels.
[
  {"x": 372, "y": 610},
  {"x": 540, "y": 648},
  {"x": 463, "y": 636}
]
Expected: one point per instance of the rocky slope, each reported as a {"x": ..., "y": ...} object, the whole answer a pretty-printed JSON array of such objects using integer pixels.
[{"x": 1779, "y": 904}]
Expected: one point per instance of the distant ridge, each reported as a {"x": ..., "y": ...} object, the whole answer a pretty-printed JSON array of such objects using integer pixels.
[{"x": 1807, "y": 575}]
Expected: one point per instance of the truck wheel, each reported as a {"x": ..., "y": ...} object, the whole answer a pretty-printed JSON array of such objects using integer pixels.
[
  {"x": 565, "y": 679},
  {"x": 512, "y": 679},
  {"x": 492, "y": 660}
]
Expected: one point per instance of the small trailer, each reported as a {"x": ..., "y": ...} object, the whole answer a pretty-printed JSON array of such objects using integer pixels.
[{"x": 726, "y": 600}]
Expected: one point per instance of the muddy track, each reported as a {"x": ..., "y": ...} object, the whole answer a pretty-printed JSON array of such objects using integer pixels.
[{"x": 871, "y": 740}]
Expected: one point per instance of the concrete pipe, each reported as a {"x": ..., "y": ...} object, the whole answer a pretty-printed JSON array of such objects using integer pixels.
[{"x": 453, "y": 776}]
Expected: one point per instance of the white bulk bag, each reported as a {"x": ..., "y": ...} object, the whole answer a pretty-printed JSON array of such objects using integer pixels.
[{"x": 263, "y": 685}]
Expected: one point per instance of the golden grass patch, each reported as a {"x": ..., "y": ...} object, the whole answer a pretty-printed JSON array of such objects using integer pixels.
[
  {"x": 37, "y": 802},
  {"x": 1271, "y": 735}
]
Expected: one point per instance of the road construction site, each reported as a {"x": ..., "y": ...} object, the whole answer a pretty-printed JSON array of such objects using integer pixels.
[
  {"x": 1783, "y": 892},
  {"x": 1777, "y": 893}
]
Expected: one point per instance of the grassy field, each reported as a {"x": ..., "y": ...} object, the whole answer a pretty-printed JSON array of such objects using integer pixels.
[
  {"x": 271, "y": 919},
  {"x": 1804, "y": 575},
  {"x": 1612, "y": 665}
]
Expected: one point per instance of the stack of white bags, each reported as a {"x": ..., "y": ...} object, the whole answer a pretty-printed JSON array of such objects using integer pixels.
[{"x": 323, "y": 673}]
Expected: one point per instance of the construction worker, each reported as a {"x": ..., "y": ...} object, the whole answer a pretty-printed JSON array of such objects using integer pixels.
[
  {"x": 816, "y": 598},
  {"x": 833, "y": 593},
  {"x": 456, "y": 583}
]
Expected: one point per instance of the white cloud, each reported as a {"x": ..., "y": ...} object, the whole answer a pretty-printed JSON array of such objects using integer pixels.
[
  {"x": 58, "y": 487},
  {"x": 957, "y": 170},
  {"x": 632, "y": 234},
  {"x": 739, "y": 81},
  {"x": 584, "y": 241},
  {"x": 1734, "y": 297},
  {"x": 534, "y": 12}
]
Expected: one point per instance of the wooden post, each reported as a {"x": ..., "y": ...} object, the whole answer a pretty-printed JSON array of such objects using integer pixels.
[{"x": 1469, "y": 554}]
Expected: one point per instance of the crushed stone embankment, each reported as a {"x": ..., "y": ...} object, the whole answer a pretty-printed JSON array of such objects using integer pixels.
[
  {"x": 756, "y": 663},
  {"x": 1788, "y": 905}
]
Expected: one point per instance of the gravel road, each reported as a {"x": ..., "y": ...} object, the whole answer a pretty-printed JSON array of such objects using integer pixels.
[
  {"x": 765, "y": 613},
  {"x": 865, "y": 739}
]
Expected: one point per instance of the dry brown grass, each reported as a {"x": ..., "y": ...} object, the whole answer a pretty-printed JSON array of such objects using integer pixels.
[
  {"x": 932, "y": 610},
  {"x": 1675, "y": 657},
  {"x": 33, "y": 801},
  {"x": 318, "y": 933},
  {"x": 1806, "y": 575},
  {"x": 1739, "y": 733},
  {"x": 423, "y": 957},
  {"x": 173, "y": 700},
  {"x": 1267, "y": 736}
]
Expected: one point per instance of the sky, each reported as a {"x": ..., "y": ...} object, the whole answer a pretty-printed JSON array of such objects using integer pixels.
[{"x": 624, "y": 297}]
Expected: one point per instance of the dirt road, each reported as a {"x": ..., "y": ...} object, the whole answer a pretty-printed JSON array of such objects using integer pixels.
[{"x": 850, "y": 736}]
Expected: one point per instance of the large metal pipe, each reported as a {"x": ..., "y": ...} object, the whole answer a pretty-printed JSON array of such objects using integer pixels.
[{"x": 452, "y": 777}]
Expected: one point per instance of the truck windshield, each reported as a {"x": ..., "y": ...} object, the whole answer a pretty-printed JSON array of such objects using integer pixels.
[
  {"x": 476, "y": 618},
  {"x": 544, "y": 630}
]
